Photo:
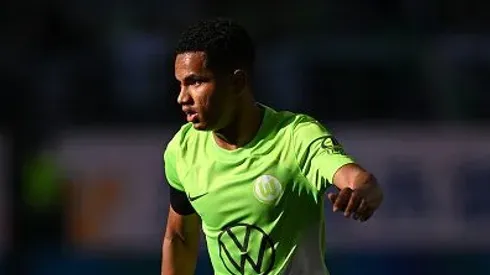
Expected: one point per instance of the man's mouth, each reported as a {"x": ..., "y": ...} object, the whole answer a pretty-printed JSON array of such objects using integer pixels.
[{"x": 191, "y": 116}]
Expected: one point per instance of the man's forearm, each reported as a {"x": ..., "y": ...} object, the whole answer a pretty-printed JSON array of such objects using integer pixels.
[
  {"x": 360, "y": 193},
  {"x": 363, "y": 179},
  {"x": 178, "y": 258},
  {"x": 366, "y": 182}
]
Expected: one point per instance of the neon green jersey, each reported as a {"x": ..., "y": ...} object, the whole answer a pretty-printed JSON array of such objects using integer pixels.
[{"x": 261, "y": 205}]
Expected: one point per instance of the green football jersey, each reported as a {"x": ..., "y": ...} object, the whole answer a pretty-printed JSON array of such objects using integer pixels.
[{"x": 261, "y": 205}]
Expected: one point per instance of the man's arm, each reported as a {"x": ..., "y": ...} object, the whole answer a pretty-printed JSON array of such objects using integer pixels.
[
  {"x": 181, "y": 243},
  {"x": 359, "y": 194},
  {"x": 323, "y": 161}
]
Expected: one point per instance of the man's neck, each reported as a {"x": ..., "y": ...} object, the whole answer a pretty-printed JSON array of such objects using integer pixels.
[{"x": 243, "y": 128}]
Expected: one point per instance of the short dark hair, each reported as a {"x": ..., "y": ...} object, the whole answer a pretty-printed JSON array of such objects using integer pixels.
[{"x": 226, "y": 44}]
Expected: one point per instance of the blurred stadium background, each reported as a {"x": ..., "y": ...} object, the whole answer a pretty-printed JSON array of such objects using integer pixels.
[{"x": 88, "y": 102}]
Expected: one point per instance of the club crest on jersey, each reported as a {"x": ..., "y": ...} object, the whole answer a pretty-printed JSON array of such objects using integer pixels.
[{"x": 267, "y": 189}]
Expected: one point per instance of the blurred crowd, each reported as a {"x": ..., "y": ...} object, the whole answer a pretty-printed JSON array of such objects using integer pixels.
[
  {"x": 106, "y": 63},
  {"x": 84, "y": 62}
]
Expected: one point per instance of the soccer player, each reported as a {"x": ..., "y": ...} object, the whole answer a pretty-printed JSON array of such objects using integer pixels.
[{"x": 252, "y": 178}]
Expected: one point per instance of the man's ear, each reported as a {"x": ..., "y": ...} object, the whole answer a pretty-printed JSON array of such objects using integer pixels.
[{"x": 240, "y": 80}]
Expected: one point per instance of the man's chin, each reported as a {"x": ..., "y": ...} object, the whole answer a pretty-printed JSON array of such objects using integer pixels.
[{"x": 200, "y": 126}]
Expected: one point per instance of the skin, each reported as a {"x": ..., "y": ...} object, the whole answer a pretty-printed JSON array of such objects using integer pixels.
[
  {"x": 223, "y": 103},
  {"x": 359, "y": 196},
  {"x": 181, "y": 244}
]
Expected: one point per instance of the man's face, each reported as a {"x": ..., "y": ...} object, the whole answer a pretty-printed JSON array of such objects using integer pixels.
[{"x": 207, "y": 99}]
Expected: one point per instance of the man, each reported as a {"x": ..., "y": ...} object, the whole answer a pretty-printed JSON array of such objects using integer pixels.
[{"x": 255, "y": 178}]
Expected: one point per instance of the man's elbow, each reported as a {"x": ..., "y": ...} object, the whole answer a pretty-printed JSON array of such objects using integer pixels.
[{"x": 175, "y": 239}]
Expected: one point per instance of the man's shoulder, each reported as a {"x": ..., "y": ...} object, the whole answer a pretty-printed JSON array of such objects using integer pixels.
[
  {"x": 185, "y": 132},
  {"x": 289, "y": 119},
  {"x": 294, "y": 126},
  {"x": 184, "y": 136}
]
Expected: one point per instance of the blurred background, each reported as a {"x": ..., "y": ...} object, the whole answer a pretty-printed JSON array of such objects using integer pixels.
[{"x": 88, "y": 102}]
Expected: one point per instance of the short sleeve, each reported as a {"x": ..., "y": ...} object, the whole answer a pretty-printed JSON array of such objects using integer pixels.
[
  {"x": 319, "y": 155},
  {"x": 170, "y": 162}
]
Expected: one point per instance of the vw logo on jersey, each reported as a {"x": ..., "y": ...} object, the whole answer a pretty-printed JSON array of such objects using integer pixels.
[
  {"x": 246, "y": 249},
  {"x": 267, "y": 189}
]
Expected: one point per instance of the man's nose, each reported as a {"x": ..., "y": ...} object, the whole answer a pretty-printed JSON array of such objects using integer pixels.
[{"x": 183, "y": 97}]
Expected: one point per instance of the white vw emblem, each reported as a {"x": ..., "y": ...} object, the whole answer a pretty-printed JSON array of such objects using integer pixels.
[{"x": 267, "y": 188}]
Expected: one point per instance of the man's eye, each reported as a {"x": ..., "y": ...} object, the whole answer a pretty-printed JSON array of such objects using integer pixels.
[{"x": 197, "y": 82}]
